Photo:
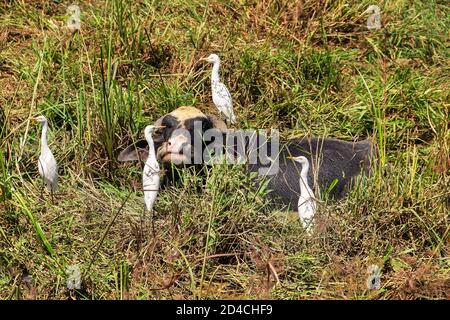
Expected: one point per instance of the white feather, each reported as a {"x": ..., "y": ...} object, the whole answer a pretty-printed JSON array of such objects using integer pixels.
[
  {"x": 221, "y": 96},
  {"x": 150, "y": 175},
  {"x": 306, "y": 203},
  {"x": 223, "y": 100},
  {"x": 47, "y": 166},
  {"x": 48, "y": 169}
]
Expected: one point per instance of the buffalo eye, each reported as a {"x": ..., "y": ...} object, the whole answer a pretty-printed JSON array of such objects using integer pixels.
[{"x": 206, "y": 125}]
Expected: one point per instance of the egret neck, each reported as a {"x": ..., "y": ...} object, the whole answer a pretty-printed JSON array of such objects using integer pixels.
[
  {"x": 44, "y": 145},
  {"x": 304, "y": 187},
  {"x": 151, "y": 148},
  {"x": 215, "y": 72}
]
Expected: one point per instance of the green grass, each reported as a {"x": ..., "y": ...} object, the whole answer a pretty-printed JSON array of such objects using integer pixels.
[{"x": 307, "y": 67}]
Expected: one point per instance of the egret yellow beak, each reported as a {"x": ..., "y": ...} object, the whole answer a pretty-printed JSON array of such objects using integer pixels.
[
  {"x": 39, "y": 119},
  {"x": 293, "y": 158}
]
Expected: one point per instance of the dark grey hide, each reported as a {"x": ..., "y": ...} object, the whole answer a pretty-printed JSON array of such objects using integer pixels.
[{"x": 334, "y": 165}]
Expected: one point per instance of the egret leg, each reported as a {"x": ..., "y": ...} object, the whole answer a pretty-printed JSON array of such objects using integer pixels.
[
  {"x": 139, "y": 230},
  {"x": 153, "y": 223},
  {"x": 53, "y": 200},
  {"x": 143, "y": 214},
  {"x": 151, "y": 217},
  {"x": 42, "y": 189}
]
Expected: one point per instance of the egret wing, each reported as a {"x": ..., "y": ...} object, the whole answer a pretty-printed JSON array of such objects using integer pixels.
[{"x": 221, "y": 96}]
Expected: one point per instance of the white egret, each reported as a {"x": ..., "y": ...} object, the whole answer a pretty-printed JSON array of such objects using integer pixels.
[
  {"x": 150, "y": 175},
  {"x": 306, "y": 202},
  {"x": 220, "y": 94},
  {"x": 47, "y": 167},
  {"x": 374, "y": 20}
]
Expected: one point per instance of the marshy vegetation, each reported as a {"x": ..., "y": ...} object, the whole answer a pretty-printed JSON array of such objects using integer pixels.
[{"x": 303, "y": 67}]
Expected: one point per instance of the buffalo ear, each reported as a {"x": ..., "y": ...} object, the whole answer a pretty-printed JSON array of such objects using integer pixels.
[
  {"x": 135, "y": 151},
  {"x": 369, "y": 146},
  {"x": 217, "y": 122}
]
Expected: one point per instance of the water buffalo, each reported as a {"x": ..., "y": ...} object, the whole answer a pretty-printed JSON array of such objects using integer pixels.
[{"x": 334, "y": 163}]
